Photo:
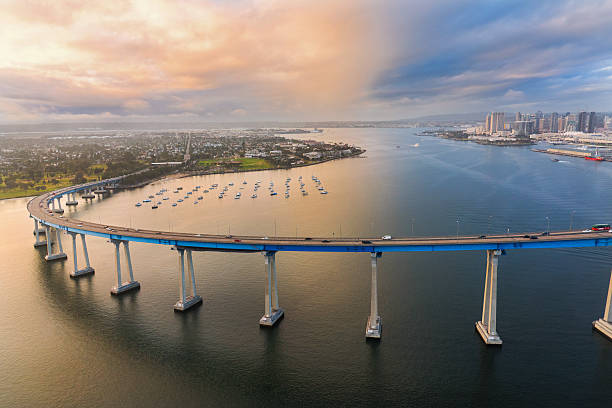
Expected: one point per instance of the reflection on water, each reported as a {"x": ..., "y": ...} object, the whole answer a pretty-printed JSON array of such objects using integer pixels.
[{"x": 69, "y": 343}]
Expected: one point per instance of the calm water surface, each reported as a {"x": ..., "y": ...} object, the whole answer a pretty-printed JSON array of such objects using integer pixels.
[{"x": 67, "y": 342}]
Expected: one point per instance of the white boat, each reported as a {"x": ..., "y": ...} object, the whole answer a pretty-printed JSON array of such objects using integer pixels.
[
  {"x": 180, "y": 200},
  {"x": 174, "y": 204},
  {"x": 138, "y": 204},
  {"x": 146, "y": 201},
  {"x": 254, "y": 196},
  {"x": 165, "y": 198}
]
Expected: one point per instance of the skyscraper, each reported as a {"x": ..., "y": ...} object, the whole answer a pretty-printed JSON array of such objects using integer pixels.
[
  {"x": 592, "y": 122},
  {"x": 495, "y": 122},
  {"x": 583, "y": 122},
  {"x": 554, "y": 122}
]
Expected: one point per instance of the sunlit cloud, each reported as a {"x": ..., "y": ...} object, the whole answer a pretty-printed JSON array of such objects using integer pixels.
[{"x": 298, "y": 60}]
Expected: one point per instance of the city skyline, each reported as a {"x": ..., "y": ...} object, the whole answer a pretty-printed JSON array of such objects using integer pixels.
[{"x": 256, "y": 60}]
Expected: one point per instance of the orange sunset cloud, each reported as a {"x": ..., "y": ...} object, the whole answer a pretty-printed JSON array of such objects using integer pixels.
[{"x": 66, "y": 59}]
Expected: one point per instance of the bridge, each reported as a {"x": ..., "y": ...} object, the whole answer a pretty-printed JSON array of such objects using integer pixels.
[{"x": 46, "y": 211}]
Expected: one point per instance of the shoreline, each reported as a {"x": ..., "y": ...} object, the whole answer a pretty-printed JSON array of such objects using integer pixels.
[{"x": 179, "y": 175}]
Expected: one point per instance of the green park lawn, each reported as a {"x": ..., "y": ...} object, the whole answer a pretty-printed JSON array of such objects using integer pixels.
[{"x": 245, "y": 163}]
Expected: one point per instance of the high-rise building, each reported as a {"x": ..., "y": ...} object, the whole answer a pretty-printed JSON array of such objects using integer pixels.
[
  {"x": 582, "y": 124},
  {"x": 592, "y": 123},
  {"x": 517, "y": 117},
  {"x": 523, "y": 128},
  {"x": 562, "y": 124},
  {"x": 554, "y": 122},
  {"x": 495, "y": 122}
]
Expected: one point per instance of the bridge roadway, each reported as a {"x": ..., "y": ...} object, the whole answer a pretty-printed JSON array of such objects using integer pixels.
[{"x": 39, "y": 209}]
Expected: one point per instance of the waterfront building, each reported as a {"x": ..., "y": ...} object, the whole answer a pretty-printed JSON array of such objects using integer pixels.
[
  {"x": 495, "y": 122},
  {"x": 592, "y": 122},
  {"x": 523, "y": 128},
  {"x": 554, "y": 122},
  {"x": 583, "y": 122}
]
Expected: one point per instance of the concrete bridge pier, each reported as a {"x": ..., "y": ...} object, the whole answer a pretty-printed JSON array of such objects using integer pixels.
[
  {"x": 185, "y": 302},
  {"x": 128, "y": 285},
  {"x": 72, "y": 199},
  {"x": 101, "y": 191},
  {"x": 604, "y": 325},
  {"x": 487, "y": 326},
  {"x": 38, "y": 232},
  {"x": 58, "y": 210},
  {"x": 88, "y": 269},
  {"x": 374, "y": 325},
  {"x": 50, "y": 255},
  {"x": 272, "y": 311}
]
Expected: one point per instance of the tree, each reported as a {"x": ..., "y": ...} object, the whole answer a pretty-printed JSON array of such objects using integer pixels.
[{"x": 79, "y": 178}]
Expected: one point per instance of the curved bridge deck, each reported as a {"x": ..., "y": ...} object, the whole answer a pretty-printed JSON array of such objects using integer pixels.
[{"x": 39, "y": 209}]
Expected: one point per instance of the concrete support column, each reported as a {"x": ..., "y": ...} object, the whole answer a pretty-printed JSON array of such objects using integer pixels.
[
  {"x": 59, "y": 208},
  {"x": 71, "y": 200},
  {"x": 50, "y": 255},
  {"x": 192, "y": 280},
  {"x": 186, "y": 302},
  {"x": 88, "y": 269},
  {"x": 487, "y": 326},
  {"x": 85, "y": 251},
  {"x": 374, "y": 325},
  {"x": 49, "y": 249},
  {"x": 121, "y": 285},
  {"x": 604, "y": 325},
  {"x": 37, "y": 232},
  {"x": 272, "y": 311}
]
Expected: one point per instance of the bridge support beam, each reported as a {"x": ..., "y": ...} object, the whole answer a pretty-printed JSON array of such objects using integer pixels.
[
  {"x": 38, "y": 232},
  {"x": 88, "y": 269},
  {"x": 122, "y": 286},
  {"x": 374, "y": 325},
  {"x": 272, "y": 311},
  {"x": 487, "y": 326},
  {"x": 185, "y": 301},
  {"x": 604, "y": 325},
  {"x": 50, "y": 255}
]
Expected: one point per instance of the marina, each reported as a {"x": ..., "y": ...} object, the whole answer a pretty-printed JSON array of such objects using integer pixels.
[{"x": 317, "y": 183}]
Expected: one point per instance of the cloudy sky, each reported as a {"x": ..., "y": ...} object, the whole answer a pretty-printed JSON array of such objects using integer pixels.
[{"x": 243, "y": 60}]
